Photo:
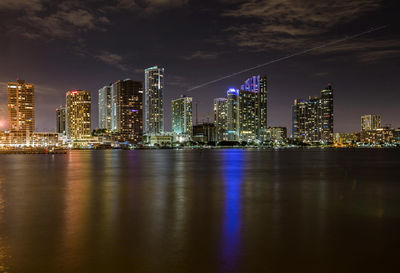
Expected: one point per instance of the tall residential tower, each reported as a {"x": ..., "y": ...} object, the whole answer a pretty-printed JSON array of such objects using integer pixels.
[
  {"x": 105, "y": 107},
  {"x": 182, "y": 116},
  {"x": 153, "y": 97},
  {"x": 78, "y": 107},
  {"x": 127, "y": 110},
  {"x": 21, "y": 108}
]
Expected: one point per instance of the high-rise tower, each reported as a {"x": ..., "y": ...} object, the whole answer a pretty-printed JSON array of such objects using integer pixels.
[
  {"x": 182, "y": 116},
  {"x": 220, "y": 118},
  {"x": 154, "y": 107},
  {"x": 127, "y": 110},
  {"x": 370, "y": 122},
  {"x": 105, "y": 107},
  {"x": 21, "y": 108},
  {"x": 60, "y": 119},
  {"x": 313, "y": 118},
  {"x": 78, "y": 106}
]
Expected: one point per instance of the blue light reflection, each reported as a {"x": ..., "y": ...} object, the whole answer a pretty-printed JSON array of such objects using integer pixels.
[{"x": 233, "y": 176}]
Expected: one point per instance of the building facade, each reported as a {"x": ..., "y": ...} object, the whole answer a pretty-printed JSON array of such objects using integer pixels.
[
  {"x": 61, "y": 120},
  {"x": 78, "y": 118},
  {"x": 370, "y": 122},
  {"x": 277, "y": 134},
  {"x": 205, "y": 133},
  {"x": 220, "y": 118},
  {"x": 258, "y": 85},
  {"x": 312, "y": 119},
  {"x": 21, "y": 108},
  {"x": 182, "y": 116},
  {"x": 248, "y": 116},
  {"x": 232, "y": 114},
  {"x": 153, "y": 96},
  {"x": 127, "y": 110},
  {"x": 105, "y": 109}
]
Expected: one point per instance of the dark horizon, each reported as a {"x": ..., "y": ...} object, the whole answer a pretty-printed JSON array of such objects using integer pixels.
[{"x": 66, "y": 45}]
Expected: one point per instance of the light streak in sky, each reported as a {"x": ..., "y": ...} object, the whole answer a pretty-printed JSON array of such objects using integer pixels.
[{"x": 288, "y": 57}]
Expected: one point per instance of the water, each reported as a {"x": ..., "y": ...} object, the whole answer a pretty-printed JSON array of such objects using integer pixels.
[{"x": 201, "y": 211}]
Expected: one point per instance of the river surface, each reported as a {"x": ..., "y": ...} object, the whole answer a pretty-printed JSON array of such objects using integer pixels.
[{"x": 202, "y": 211}]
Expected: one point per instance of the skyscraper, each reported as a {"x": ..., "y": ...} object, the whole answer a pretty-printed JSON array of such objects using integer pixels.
[
  {"x": 370, "y": 122},
  {"x": 60, "y": 119},
  {"x": 220, "y": 118},
  {"x": 327, "y": 114},
  {"x": 313, "y": 118},
  {"x": 21, "y": 108},
  {"x": 232, "y": 114},
  {"x": 248, "y": 115},
  {"x": 258, "y": 84},
  {"x": 105, "y": 107},
  {"x": 127, "y": 110},
  {"x": 78, "y": 106},
  {"x": 182, "y": 116},
  {"x": 154, "y": 107}
]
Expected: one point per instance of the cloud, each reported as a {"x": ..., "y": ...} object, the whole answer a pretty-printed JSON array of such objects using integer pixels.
[
  {"x": 150, "y": 6},
  {"x": 113, "y": 59},
  {"x": 292, "y": 24},
  {"x": 201, "y": 55},
  {"x": 365, "y": 50},
  {"x": 28, "y": 5},
  {"x": 63, "y": 23}
]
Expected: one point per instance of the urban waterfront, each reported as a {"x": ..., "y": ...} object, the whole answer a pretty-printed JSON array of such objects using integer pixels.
[{"x": 220, "y": 210}]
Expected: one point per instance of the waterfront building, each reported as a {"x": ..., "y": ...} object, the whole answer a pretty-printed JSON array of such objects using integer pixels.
[
  {"x": 182, "y": 116},
  {"x": 258, "y": 84},
  {"x": 247, "y": 116},
  {"x": 232, "y": 114},
  {"x": 21, "y": 109},
  {"x": 78, "y": 117},
  {"x": 205, "y": 133},
  {"x": 277, "y": 134},
  {"x": 346, "y": 139},
  {"x": 105, "y": 107},
  {"x": 153, "y": 97},
  {"x": 60, "y": 119},
  {"x": 161, "y": 140},
  {"x": 370, "y": 122},
  {"x": 384, "y": 135},
  {"x": 326, "y": 114},
  {"x": 220, "y": 118},
  {"x": 127, "y": 110},
  {"x": 312, "y": 119}
]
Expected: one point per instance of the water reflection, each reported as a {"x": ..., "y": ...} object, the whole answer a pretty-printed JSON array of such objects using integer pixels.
[{"x": 233, "y": 176}]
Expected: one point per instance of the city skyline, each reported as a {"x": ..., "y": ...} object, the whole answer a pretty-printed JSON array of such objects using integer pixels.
[{"x": 361, "y": 70}]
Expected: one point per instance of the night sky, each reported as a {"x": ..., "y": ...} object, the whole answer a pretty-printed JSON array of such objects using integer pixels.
[{"x": 64, "y": 45}]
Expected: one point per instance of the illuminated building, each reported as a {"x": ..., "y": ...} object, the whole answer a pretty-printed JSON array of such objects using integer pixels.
[
  {"x": 220, "y": 118},
  {"x": 232, "y": 114},
  {"x": 153, "y": 96},
  {"x": 385, "y": 135},
  {"x": 326, "y": 114},
  {"x": 205, "y": 133},
  {"x": 21, "y": 109},
  {"x": 247, "y": 115},
  {"x": 127, "y": 110},
  {"x": 60, "y": 120},
  {"x": 105, "y": 108},
  {"x": 78, "y": 106},
  {"x": 277, "y": 134},
  {"x": 258, "y": 84},
  {"x": 370, "y": 122},
  {"x": 312, "y": 119},
  {"x": 346, "y": 139},
  {"x": 182, "y": 116}
]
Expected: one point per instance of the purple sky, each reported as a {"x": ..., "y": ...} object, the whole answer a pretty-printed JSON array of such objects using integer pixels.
[{"x": 63, "y": 45}]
